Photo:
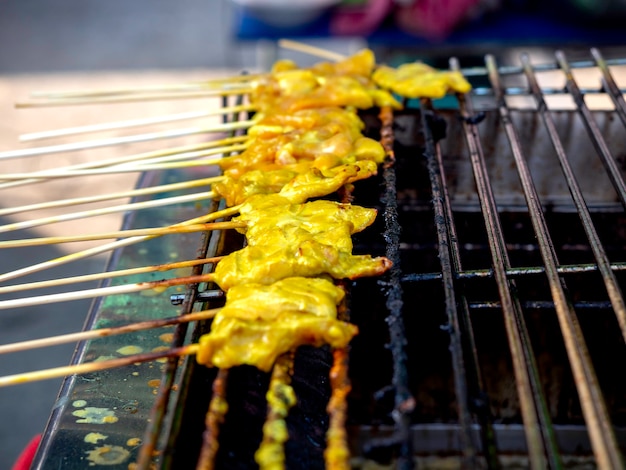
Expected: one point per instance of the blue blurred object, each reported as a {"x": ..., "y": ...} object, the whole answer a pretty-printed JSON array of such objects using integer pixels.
[
  {"x": 555, "y": 24},
  {"x": 286, "y": 14}
]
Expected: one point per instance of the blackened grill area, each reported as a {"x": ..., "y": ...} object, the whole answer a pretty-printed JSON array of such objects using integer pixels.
[{"x": 430, "y": 373}]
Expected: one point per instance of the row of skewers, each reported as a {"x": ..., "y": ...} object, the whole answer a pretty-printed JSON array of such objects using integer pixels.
[{"x": 304, "y": 143}]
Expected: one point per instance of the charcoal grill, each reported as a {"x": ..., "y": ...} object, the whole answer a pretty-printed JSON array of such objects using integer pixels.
[{"x": 495, "y": 341}]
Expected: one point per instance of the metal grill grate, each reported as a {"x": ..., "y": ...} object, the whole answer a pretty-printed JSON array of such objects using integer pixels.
[{"x": 504, "y": 228}]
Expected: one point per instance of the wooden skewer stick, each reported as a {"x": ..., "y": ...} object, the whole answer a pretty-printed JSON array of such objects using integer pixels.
[
  {"x": 130, "y": 139},
  {"x": 231, "y": 90},
  {"x": 104, "y": 332},
  {"x": 163, "y": 88},
  {"x": 308, "y": 49},
  {"x": 94, "y": 366},
  {"x": 107, "y": 126},
  {"x": 126, "y": 168},
  {"x": 107, "y": 275},
  {"x": 189, "y": 151},
  {"x": 107, "y": 197},
  {"x": 103, "y": 291},
  {"x": 121, "y": 234},
  {"x": 109, "y": 246},
  {"x": 230, "y": 149},
  {"x": 188, "y": 86},
  {"x": 110, "y": 210}
]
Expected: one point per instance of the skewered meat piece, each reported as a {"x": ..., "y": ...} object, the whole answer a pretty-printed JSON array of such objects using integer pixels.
[
  {"x": 418, "y": 80},
  {"x": 328, "y": 137},
  {"x": 290, "y": 186},
  {"x": 260, "y": 322},
  {"x": 345, "y": 83},
  {"x": 265, "y": 264},
  {"x": 327, "y": 222}
]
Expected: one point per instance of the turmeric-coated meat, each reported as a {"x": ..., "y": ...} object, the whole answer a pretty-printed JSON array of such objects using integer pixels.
[{"x": 260, "y": 322}]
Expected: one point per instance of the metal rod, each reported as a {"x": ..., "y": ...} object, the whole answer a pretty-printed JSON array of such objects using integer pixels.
[
  {"x": 604, "y": 266},
  {"x": 590, "y": 396},
  {"x": 543, "y": 304},
  {"x": 615, "y": 173},
  {"x": 532, "y": 401},
  {"x": 516, "y": 70},
  {"x": 610, "y": 86},
  {"x": 404, "y": 402},
  {"x": 512, "y": 272},
  {"x": 448, "y": 284}
]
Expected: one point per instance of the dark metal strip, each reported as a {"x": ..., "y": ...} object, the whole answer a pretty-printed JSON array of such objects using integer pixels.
[
  {"x": 532, "y": 401},
  {"x": 591, "y": 125},
  {"x": 442, "y": 220},
  {"x": 590, "y": 395},
  {"x": 604, "y": 266},
  {"x": 539, "y": 304},
  {"x": 516, "y": 70},
  {"x": 610, "y": 86},
  {"x": 404, "y": 401},
  {"x": 513, "y": 272}
]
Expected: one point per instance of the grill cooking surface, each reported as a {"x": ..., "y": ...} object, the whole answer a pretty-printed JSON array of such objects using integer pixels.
[{"x": 495, "y": 340}]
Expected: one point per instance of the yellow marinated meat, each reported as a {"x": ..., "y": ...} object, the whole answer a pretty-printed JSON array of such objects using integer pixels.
[
  {"x": 290, "y": 186},
  {"x": 345, "y": 83},
  {"x": 327, "y": 222},
  {"x": 418, "y": 80},
  {"x": 265, "y": 264},
  {"x": 260, "y": 322}
]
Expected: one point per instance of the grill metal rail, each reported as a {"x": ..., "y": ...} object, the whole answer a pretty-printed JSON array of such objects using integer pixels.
[{"x": 475, "y": 437}]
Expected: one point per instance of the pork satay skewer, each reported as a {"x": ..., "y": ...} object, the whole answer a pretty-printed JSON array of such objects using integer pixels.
[
  {"x": 105, "y": 332},
  {"x": 89, "y": 367},
  {"x": 109, "y": 210},
  {"x": 107, "y": 275},
  {"x": 109, "y": 246},
  {"x": 106, "y": 197},
  {"x": 188, "y": 150},
  {"x": 103, "y": 291},
  {"x": 56, "y": 174},
  {"x": 130, "y": 139},
  {"x": 157, "y": 231}
]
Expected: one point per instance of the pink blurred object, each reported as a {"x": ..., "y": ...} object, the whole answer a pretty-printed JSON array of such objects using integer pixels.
[
  {"x": 434, "y": 19},
  {"x": 360, "y": 20}
]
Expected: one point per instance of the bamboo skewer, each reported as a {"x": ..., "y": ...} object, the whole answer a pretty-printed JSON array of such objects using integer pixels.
[
  {"x": 94, "y": 366},
  {"x": 107, "y": 126},
  {"x": 103, "y": 291},
  {"x": 55, "y": 174},
  {"x": 107, "y": 275},
  {"x": 131, "y": 139},
  {"x": 188, "y": 149},
  {"x": 109, "y": 246},
  {"x": 105, "y": 332},
  {"x": 106, "y": 197},
  {"x": 159, "y": 231},
  {"x": 308, "y": 49},
  {"x": 110, "y": 210},
  {"x": 79, "y": 100}
]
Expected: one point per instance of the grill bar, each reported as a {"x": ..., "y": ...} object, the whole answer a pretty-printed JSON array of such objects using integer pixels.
[
  {"x": 591, "y": 400},
  {"x": 599, "y": 253},
  {"x": 404, "y": 402},
  {"x": 442, "y": 221},
  {"x": 538, "y": 427},
  {"x": 513, "y": 272},
  {"x": 609, "y": 85},
  {"x": 592, "y": 128}
]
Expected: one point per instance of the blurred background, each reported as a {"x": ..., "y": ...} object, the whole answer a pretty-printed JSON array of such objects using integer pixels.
[{"x": 57, "y": 44}]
